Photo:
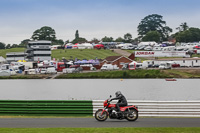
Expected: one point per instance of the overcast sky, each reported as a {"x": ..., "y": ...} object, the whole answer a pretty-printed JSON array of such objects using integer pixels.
[{"x": 93, "y": 18}]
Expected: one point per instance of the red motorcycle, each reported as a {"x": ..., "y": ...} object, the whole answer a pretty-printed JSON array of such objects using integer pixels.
[{"x": 128, "y": 112}]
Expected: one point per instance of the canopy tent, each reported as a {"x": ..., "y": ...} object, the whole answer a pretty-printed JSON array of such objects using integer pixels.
[
  {"x": 2, "y": 59},
  {"x": 81, "y": 62},
  {"x": 21, "y": 61},
  {"x": 133, "y": 62}
]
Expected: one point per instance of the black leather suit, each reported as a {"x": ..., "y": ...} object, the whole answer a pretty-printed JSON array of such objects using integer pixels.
[{"x": 122, "y": 101}]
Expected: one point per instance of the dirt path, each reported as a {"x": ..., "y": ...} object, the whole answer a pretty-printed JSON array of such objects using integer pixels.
[{"x": 122, "y": 52}]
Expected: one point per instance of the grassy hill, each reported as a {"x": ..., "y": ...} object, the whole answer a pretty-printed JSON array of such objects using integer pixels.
[
  {"x": 70, "y": 53},
  {"x": 4, "y": 51},
  {"x": 82, "y": 53}
]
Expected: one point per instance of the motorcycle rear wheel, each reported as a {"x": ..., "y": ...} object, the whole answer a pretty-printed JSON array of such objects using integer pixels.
[
  {"x": 133, "y": 116},
  {"x": 100, "y": 117}
]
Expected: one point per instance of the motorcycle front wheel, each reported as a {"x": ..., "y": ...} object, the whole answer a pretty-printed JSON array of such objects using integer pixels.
[
  {"x": 133, "y": 115},
  {"x": 101, "y": 116}
]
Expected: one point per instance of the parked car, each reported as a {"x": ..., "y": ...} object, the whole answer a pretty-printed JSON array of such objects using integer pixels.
[
  {"x": 128, "y": 47},
  {"x": 175, "y": 65},
  {"x": 99, "y": 46},
  {"x": 51, "y": 70},
  {"x": 69, "y": 70},
  {"x": 43, "y": 71},
  {"x": 148, "y": 48}
]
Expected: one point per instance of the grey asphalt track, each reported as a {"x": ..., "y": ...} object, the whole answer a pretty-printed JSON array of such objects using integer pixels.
[{"x": 91, "y": 122}]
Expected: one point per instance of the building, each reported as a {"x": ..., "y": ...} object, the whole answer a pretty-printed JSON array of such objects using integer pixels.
[
  {"x": 183, "y": 62},
  {"x": 120, "y": 61},
  {"x": 15, "y": 56},
  {"x": 38, "y": 50}
]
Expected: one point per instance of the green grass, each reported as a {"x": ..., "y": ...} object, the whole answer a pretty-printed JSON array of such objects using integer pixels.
[
  {"x": 70, "y": 53},
  {"x": 135, "y": 74},
  {"x": 195, "y": 73},
  {"x": 82, "y": 53},
  {"x": 117, "y": 74},
  {"x": 38, "y": 76},
  {"x": 196, "y": 55},
  {"x": 100, "y": 130},
  {"x": 4, "y": 51}
]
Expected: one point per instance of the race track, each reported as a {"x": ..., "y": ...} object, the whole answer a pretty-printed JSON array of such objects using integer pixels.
[{"x": 91, "y": 122}]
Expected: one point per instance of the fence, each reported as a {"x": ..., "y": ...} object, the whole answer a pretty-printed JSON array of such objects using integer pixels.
[
  {"x": 161, "y": 108},
  {"x": 43, "y": 107},
  {"x": 87, "y": 108}
]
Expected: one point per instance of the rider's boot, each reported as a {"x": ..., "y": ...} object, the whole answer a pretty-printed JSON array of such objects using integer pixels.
[{"x": 120, "y": 114}]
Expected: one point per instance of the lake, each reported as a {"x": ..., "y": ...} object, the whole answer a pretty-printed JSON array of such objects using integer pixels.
[{"x": 99, "y": 89}]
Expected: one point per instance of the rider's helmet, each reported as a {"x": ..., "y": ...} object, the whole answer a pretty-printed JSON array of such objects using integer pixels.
[{"x": 118, "y": 93}]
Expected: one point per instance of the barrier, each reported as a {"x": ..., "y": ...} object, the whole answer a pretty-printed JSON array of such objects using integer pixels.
[
  {"x": 87, "y": 108},
  {"x": 46, "y": 107},
  {"x": 161, "y": 108}
]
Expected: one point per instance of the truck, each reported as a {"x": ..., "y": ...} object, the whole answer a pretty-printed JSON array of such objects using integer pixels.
[{"x": 59, "y": 66}]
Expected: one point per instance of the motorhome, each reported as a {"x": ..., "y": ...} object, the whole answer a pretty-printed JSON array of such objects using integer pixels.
[
  {"x": 109, "y": 67},
  {"x": 164, "y": 65},
  {"x": 5, "y": 67}
]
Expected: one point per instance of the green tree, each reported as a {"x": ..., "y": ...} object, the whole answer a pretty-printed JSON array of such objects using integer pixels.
[
  {"x": 128, "y": 38},
  {"x": 152, "y": 36},
  {"x": 154, "y": 22},
  {"x": 2, "y": 45},
  {"x": 58, "y": 42},
  {"x": 14, "y": 46},
  {"x": 79, "y": 40},
  {"x": 95, "y": 40},
  {"x": 44, "y": 33},
  {"x": 107, "y": 39},
  {"x": 24, "y": 43},
  {"x": 119, "y": 39},
  {"x": 190, "y": 35},
  {"x": 8, "y": 46},
  {"x": 183, "y": 27},
  {"x": 76, "y": 34}
]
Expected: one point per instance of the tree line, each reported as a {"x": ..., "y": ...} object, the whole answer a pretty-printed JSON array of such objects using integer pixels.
[{"x": 151, "y": 28}]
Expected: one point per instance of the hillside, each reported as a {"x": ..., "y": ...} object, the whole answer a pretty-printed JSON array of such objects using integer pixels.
[{"x": 70, "y": 53}]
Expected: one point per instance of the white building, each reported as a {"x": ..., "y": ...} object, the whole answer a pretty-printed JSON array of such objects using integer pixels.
[
  {"x": 184, "y": 62},
  {"x": 15, "y": 56},
  {"x": 39, "y": 50}
]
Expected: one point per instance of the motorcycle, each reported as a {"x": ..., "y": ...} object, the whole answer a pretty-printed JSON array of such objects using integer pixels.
[{"x": 128, "y": 112}]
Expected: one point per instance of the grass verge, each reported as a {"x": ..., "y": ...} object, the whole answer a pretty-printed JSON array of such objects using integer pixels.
[
  {"x": 38, "y": 76},
  {"x": 100, "y": 130},
  {"x": 117, "y": 74}
]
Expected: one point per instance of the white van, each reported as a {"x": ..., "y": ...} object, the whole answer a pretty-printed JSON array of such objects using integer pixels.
[
  {"x": 165, "y": 65},
  {"x": 31, "y": 71},
  {"x": 51, "y": 70}
]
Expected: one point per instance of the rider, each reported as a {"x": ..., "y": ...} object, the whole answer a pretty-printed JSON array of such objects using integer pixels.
[{"x": 122, "y": 100}]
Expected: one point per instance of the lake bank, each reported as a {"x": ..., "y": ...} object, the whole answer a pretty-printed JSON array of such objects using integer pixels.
[
  {"x": 128, "y": 74},
  {"x": 99, "y": 89}
]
